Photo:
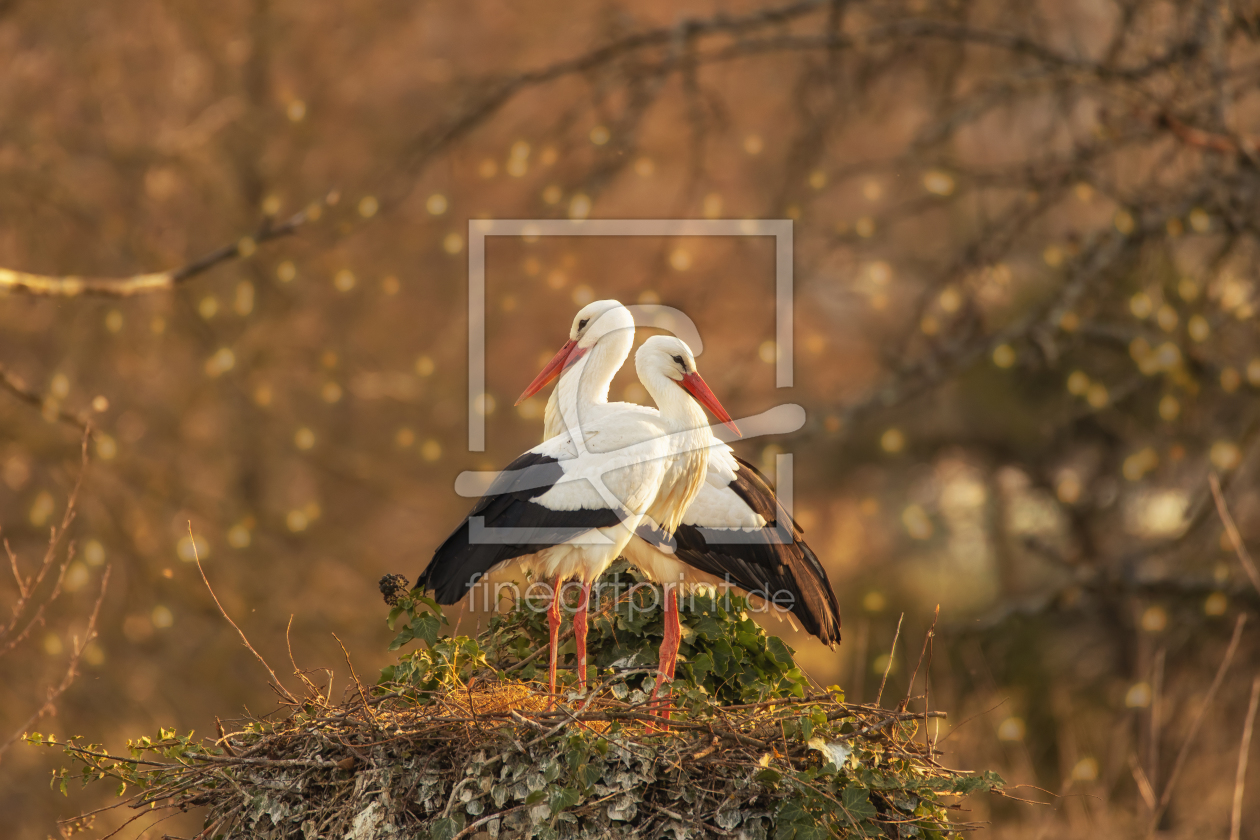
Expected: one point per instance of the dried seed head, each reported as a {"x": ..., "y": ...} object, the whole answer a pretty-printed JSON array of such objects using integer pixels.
[{"x": 393, "y": 587}]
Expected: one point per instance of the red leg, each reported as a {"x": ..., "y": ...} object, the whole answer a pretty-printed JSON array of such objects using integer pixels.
[
  {"x": 579, "y": 634},
  {"x": 669, "y": 647},
  {"x": 553, "y": 621}
]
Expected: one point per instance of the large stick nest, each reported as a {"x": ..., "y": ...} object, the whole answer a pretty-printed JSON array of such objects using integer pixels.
[{"x": 461, "y": 740}]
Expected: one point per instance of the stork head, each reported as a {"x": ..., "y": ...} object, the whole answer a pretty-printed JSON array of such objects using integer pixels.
[
  {"x": 592, "y": 323},
  {"x": 598, "y": 319},
  {"x": 670, "y": 357}
]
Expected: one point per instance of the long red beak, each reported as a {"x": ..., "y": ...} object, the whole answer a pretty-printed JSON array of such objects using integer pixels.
[
  {"x": 558, "y": 364},
  {"x": 695, "y": 385}
]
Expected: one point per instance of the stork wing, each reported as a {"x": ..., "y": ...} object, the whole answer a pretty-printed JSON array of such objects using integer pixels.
[
  {"x": 517, "y": 525},
  {"x": 771, "y": 561}
]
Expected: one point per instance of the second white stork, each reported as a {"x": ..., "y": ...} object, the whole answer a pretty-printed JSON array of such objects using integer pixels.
[
  {"x": 734, "y": 531},
  {"x": 567, "y": 508}
]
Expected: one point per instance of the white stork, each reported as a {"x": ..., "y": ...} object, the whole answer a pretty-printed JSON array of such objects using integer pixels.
[
  {"x": 566, "y": 509},
  {"x": 735, "y": 530}
]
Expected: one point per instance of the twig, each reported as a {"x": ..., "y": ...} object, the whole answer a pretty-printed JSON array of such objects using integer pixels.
[
  {"x": 357, "y": 684},
  {"x": 1244, "y": 749},
  {"x": 1244, "y": 557},
  {"x": 891, "y": 652},
  {"x": 27, "y": 588},
  {"x": 19, "y": 389},
  {"x": 471, "y": 827},
  {"x": 72, "y": 668},
  {"x": 299, "y": 673},
  {"x": 1156, "y": 715},
  {"x": 274, "y": 679},
  {"x": 563, "y": 636},
  {"x": 989, "y": 710},
  {"x": 1143, "y": 783},
  {"x": 927, "y": 678},
  {"x": 28, "y": 585},
  {"x": 1184, "y": 752}
]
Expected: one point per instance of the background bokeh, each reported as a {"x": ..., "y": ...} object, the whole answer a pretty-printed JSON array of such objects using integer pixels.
[{"x": 1025, "y": 338}]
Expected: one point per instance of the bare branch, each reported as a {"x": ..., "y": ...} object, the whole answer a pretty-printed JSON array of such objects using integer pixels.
[
  {"x": 15, "y": 386},
  {"x": 71, "y": 673},
  {"x": 161, "y": 281}
]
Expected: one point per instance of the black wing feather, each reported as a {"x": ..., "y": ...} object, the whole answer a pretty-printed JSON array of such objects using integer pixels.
[
  {"x": 764, "y": 564},
  {"x": 458, "y": 563}
]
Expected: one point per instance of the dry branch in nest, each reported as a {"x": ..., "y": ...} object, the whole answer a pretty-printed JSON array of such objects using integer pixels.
[{"x": 460, "y": 740}]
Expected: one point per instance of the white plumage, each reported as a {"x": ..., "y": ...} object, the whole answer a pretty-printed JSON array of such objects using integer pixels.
[
  {"x": 567, "y": 508},
  {"x": 734, "y": 531}
]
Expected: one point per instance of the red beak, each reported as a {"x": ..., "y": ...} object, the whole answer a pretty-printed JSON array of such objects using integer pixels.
[
  {"x": 559, "y": 364},
  {"x": 695, "y": 385}
]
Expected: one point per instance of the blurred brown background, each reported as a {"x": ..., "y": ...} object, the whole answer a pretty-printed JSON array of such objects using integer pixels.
[{"x": 1025, "y": 337}]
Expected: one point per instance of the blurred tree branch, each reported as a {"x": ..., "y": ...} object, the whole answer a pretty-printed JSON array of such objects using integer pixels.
[
  {"x": 51, "y": 408},
  {"x": 140, "y": 284}
]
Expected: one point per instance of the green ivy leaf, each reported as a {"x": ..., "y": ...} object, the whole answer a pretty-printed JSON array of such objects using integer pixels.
[
  {"x": 443, "y": 829},
  {"x": 795, "y": 821},
  {"x": 404, "y": 635},
  {"x": 857, "y": 802},
  {"x": 587, "y": 775},
  {"x": 768, "y": 776},
  {"x": 425, "y": 627},
  {"x": 707, "y": 627},
  {"x": 780, "y": 651},
  {"x": 562, "y": 798},
  {"x": 994, "y": 780}
]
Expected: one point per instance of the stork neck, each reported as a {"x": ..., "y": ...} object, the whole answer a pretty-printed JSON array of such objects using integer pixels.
[
  {"x": 678, "y": 409},
  {"x": 689, "y": 441},
  {"x": 586, "y": 383}
]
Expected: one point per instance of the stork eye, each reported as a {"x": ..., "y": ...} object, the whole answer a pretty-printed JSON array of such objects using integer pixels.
[
  {"x": 582, "y": 324},
  {"x": 680, "y": 361}
]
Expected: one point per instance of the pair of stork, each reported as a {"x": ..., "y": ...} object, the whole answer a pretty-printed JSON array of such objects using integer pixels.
[{"x": 618, "y": 479}]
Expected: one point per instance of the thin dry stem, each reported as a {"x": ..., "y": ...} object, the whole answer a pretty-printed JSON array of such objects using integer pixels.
[
  {"x": 1244, "y": 749},
  {"x": 311, "y": 688},
  {"x": 1143, "y": 783},
  {"x": 358, "y": 684},
  {"x": 72, "y": 669},
  {"x": 19, "y": 389},
  {"x": 29, "y": 585},
  {"x": 274, "y": 679},
  {"x": 910, "y": 689},
  {"x": 1191, "y": 736},
  {"x": 1156, "y": 715},
  {"x": 1235, "y": 538},
  {"x": 891, "y": 653}
]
